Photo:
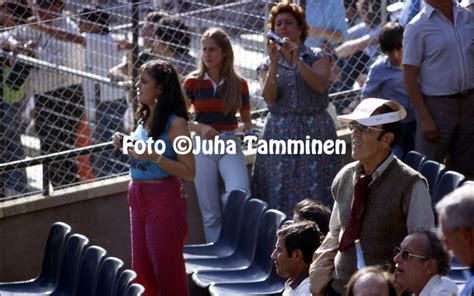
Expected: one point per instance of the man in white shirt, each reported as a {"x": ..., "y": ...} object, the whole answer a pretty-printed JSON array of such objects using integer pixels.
[
  {"x": 59, "y": 99},
  {"x": 296, "y": 243},
  {"x": 420, "y": 263}
]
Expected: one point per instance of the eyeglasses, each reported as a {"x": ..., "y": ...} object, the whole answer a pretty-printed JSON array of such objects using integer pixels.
[
  {"x": 362, "y": 128},
  {"x": 406, "y": 254}
]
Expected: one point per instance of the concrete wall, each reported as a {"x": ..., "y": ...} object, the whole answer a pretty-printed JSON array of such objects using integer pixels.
[{"x": 98, "y": 210}]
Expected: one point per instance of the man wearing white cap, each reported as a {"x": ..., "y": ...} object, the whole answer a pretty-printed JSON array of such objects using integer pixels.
[{"x": 378, "y": 199}]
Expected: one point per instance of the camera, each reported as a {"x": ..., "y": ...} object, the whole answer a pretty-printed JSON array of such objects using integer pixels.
[
  {"x": 275, "y": 37},
  {"x": 122, "y": 137}
]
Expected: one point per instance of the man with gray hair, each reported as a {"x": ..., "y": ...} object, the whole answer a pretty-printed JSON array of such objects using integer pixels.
[
  {"x": 420, "y": 263},
  {"x": 456, "y": 218}
]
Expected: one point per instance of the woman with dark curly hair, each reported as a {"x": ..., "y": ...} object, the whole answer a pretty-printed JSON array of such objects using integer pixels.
[
  {"x": 157, "y": 206},
  {"x": 295, "y": 89}
]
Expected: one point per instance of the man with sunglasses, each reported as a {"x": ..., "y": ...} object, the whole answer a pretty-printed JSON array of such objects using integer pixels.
[
  {"x": 456, "y": 219},
  {"x": 378, "y": 199},
  {"x": 420, "y": 263}
]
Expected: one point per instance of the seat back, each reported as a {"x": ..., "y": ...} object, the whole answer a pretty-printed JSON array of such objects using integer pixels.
[
  {"x": 275, "y": 279},
  {"x": 449, "y": 181},
  {"x": 247, "y": 238},
  {"x": 89, "y": 270},
  {"x": 135, "y": 290},
  {"x": 68, "y": 276},
  {"x": 232, "y": 218},
  {"x": 271, "y": 222},
  {"x": 432, "y": 171},
  {"x": 414, "y": 159},
  {"x": 124, "y": 281},
  {"x": 58, "y": 234},
  {"x": 109, "y": 272}
]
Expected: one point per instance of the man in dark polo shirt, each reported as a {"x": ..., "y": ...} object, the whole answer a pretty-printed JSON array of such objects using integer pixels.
[{"x": 378, "y": 199}]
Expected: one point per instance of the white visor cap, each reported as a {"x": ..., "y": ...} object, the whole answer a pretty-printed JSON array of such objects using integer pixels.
[{"x": 363, "y": 113}]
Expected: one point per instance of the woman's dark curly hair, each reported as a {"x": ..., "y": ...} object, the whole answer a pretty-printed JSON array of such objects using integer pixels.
[
  {"x": 170, "y": 101},
  {"x": 296, "y": 10}
]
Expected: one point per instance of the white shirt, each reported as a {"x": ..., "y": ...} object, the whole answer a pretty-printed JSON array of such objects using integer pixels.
[
  {"x": 101, "y": 54},
  {"x": 301, "y": 290},
  {"x": 52, "y": 50},
  {"x": 439, "y": 286}
]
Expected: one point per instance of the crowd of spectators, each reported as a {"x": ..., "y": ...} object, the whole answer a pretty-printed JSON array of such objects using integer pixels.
[{"x": 418, "y": 94}]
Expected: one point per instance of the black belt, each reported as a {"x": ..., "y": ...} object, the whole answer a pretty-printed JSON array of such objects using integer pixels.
[{"x": 460, "y": 95}]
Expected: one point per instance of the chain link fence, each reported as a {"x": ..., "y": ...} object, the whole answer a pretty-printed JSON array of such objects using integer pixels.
[{"x": 68, "y": 69}]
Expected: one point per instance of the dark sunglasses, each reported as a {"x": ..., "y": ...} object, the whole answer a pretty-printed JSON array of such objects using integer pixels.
[
  {"x": 406, "y": 254},
  {"x": 362, "y": 128}
]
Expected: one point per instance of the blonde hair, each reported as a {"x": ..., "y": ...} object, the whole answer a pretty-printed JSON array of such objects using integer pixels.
[{"x": 231, "y": 91}]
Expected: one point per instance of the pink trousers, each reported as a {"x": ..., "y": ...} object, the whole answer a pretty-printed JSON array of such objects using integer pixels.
[{"x": 159, "y": 230}]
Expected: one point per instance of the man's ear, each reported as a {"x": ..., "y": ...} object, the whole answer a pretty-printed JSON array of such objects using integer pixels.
[
  {"x": 468, "y": 235},
  {"x": 431, "y": 266},
  {"x": 297, "y": 255},
  {"x": 388, "y": 138}
]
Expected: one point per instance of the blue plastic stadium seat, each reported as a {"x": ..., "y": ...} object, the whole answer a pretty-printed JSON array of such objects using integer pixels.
[
  {"x": 449, "y": 181},
  {"x": 109, "y": 273},
  {"x": 247, "y": 240},
  {"x": 69, "y": 274},
  {"x": 458, "y": 275},
  {"x": 458, "y": 272},
  {"x": 124, "y": 281},
  {"x": 135, "y": 290},
  {"x": 273, "y": 285},
  {"x": 89, "y": 270},
  {"x": 432, "y": 171},
  {"x": 414, "y": 159},
  {"x": 261, "y": 267},
  {"x": 227, "y": 241},
  {"x": 47, "y": 280}
]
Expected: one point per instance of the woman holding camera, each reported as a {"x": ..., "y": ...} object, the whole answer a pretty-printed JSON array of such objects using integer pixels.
[
  {"x": 157, "y": 207},
  {"x": 295, "y": 89}
]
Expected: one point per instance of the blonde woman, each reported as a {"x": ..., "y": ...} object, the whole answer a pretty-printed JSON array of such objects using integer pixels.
[{"x": 217, "y": 93}]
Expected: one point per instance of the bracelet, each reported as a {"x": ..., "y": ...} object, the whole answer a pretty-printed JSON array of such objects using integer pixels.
[{"x": 158, "y": 159}]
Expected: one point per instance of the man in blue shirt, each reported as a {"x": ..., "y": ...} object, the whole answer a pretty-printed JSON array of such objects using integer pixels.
[{"x": 385, "y": 80}]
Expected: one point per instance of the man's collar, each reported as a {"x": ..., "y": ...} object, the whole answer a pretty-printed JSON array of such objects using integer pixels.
[
  {"x": 433, "y": 282},
  {"x": 380, "y": 168},
  {"x": 428, "y": 9},
  {"x": 294, "y": 283}
]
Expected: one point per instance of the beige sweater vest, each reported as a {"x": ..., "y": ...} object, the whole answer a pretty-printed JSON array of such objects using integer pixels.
[{"x": 385, "y": 217}]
